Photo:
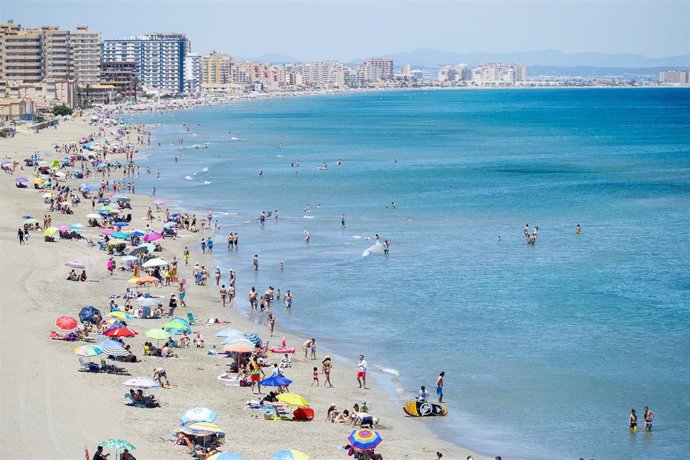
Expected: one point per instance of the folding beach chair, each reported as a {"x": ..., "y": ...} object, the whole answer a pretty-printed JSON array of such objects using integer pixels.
[{"x": 191, "y": 318}]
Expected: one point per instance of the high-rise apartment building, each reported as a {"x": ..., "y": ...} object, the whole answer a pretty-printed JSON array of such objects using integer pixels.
[
  {"x": 675, "y": 77},
  {"x": 322, "y": 73},
  {"x": 49, "y": 53},
  {"x": 377, "y": 69},
  {"x": 192, "y": 73},
  {"x": 216, "y": 69},
  {"x": 57, "y": 53},
  {"x": 519, "y": 73},
  {"x": 160, "y": 58},
  {"x": 406, "y": 70},
  {"x": 21, "y": 54},
  {"x": 86, "y": 55}
]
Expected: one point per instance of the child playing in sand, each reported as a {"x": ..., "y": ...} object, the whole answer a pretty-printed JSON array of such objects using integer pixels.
[{"x": 316, "y": 377}]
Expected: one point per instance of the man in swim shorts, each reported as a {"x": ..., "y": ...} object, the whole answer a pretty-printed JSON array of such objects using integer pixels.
[
  {"x": 439, "y": 386},
  {"x": 362, "y": 372}
]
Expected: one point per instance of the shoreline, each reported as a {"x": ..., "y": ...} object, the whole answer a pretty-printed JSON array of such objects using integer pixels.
[{"x": 40, "y": 263}]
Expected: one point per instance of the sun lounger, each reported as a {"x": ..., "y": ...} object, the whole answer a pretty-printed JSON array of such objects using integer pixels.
[
  {"x": 89, "y": 366},
  {"x": 70, "y": 337}
]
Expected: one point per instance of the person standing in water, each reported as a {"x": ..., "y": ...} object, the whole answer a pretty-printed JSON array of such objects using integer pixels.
[
  {"x": 578, "y": 229},
  {"x": 342, "y": 221},
  {"x": 439, "y": 386},
  {"x": 632, "y": 420},
  {"x": 648, "y": 417}
]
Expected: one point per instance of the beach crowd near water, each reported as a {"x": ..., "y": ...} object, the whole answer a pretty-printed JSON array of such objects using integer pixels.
[{"x": 131, "y": 290}]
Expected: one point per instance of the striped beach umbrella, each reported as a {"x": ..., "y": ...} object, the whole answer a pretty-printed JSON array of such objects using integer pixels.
[
  {"x": 121, "y": 332},
  {"x": 230, "y": 332},
  {"x": 88, "y": 350},
  {"x": 113, "y": 348},
  {"x": 141, "y": 382},
  {"x": 364, "y": 439},
  {"x": 75, "y": 265},
  {"x": 117, "y": 444},
  {"x": 202, "y": 427}
]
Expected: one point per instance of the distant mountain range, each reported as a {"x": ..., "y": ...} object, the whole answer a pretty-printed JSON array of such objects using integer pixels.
[{"x": 554, "y": 58}]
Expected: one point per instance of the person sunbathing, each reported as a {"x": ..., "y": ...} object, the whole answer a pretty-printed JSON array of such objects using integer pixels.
[
  {"x": 82, "y": 277},
  {"x": 166, "y": 352}
]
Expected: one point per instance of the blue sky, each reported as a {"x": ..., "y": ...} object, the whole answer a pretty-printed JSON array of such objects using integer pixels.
[{"x": 357, "y": 28}]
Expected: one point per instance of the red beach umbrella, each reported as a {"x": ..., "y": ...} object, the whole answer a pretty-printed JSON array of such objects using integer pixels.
[
  {"x": 121, "y": 332},
  {"x": 66, "y": 323}
]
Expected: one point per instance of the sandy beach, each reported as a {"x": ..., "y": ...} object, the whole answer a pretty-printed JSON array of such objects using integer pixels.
[{"x": 51, "y": 410}]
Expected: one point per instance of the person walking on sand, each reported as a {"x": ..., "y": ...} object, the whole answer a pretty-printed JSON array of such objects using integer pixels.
[
  {"x": 20, "y": 234},
  {"x": 315, "y": 376},
  {"x": 110, "y": 265},
  {"x": 326, "y": 366},
  {"x": 223, "y": 295},
  {"x": 648, "y": 417},
  {"x": 185, "y": 255},
  {"x": 271, "y": 321},
  {"x": 632, "y": 420},
  {"x": 362, "y": 372},
  {"x": 256, "y": 262}
]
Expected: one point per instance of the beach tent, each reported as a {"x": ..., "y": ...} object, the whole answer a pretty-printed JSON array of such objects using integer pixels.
[{"x": 90, "y": 314}]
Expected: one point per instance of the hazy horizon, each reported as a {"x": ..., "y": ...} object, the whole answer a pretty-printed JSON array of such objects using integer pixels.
[{"x": 345, "y": 31}]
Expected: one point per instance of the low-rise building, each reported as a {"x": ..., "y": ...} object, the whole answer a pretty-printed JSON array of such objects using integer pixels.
[{"x": 15, "y": 109}]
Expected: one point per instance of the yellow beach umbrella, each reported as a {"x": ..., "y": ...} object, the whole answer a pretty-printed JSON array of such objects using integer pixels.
[
  {"x": 50, "y": 231},
  {"x": 133, "y": 280},
  {"x": 38, "y": 180},
  {"x": 293, "y": 399}
]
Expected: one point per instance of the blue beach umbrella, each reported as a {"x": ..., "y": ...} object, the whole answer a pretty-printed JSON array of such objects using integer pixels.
[
  {"x": 136, "y": 233},
  {"x": 169, "y": 224},
  {"x": 253, "y": 337},
  {"x": 275, "y": 381},
  {"x": 120, "y": 235},
  {"x": 230, "y": 333},
  {"x": 87, "y": 314}
]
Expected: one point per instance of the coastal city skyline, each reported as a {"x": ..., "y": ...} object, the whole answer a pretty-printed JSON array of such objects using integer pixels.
[{"x": 260, "y": 28}]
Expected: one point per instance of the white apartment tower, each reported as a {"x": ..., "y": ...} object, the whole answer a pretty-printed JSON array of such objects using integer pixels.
[
  {"x": 86, "y": 55},
  {"x": 192, "y": 73},
  {"x": 160, "y": 58}
]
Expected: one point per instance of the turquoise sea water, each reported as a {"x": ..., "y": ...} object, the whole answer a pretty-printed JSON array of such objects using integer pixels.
[{"x": 546, "y": 348}]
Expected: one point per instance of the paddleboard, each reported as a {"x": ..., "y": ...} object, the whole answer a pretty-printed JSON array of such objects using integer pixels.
[{"x": 427, "y": 409}]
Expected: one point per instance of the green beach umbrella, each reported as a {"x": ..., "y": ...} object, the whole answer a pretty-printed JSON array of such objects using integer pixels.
[{"x": 157, "y": 334}]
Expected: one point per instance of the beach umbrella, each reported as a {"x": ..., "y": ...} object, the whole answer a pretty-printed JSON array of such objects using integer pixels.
[
  {"x": 177, "y": 326},
  {"x": 66, "y": 323},
  {"x": 147, "y": 280},
  {"x": 128, "y": 259},
  {"x": 120, "y": 314},
  {"x": 148, "y": 301},
  {"x": 202, "y": 427},
  {"x": 117, "y": 444},
  {"x": 107, "y": 207},
  {"x": 229, "y": 332},
  {"x": 225, "y": 455},
  {"x": 199, "y": 414},
  {"x": 121, "y": 332},
  {"x": 50, "y": 231},
  {"x": 76, "y": 227},
  {"x": 364, "y": 439},
  {"x": 136, "y": 233},
  {"x": 157, "y": 262},
  {"x": 238, "y": 346},
  {"x": 141, "y": 382},
  {"x": 169, "y": 224},
  {"x": 94, "y": 216},
  {"x": 64, "y": 228},
  {"x": 152, "y": 237},
  {"x": 21, "y": 180},
  {"x": 142, "y": 248},
  {"x": 133, "y": 280},
  {"x": 75, "y": 265},
  {"x": 88, "y": 350},
  {"x": 107, "y": 231},
  {"x": 113, "y": 348},
  {"x": 31, "y": 221},
  {"x": 289, "y": 454},
  {"x": 292, "y": 399},
  {"x": 120, "y": 224},
  {"x": 120, "y": 235},
  {"x": 87, "y": 314},
  {"x": 275, "y": 381},
  {"x": 157, "y": 334},
  {"x": 37, "y": 180}
]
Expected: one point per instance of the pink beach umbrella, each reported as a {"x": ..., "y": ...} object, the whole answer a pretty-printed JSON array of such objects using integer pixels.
[
  {"x": 64, "y": 228},
  {"x": 152, "y": 237},
  {"x": 75, "y": 265},
  {"x": 107, "y": 231}
]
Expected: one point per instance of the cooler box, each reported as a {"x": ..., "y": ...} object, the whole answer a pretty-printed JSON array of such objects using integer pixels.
[{"x": 303, "y": 413}]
